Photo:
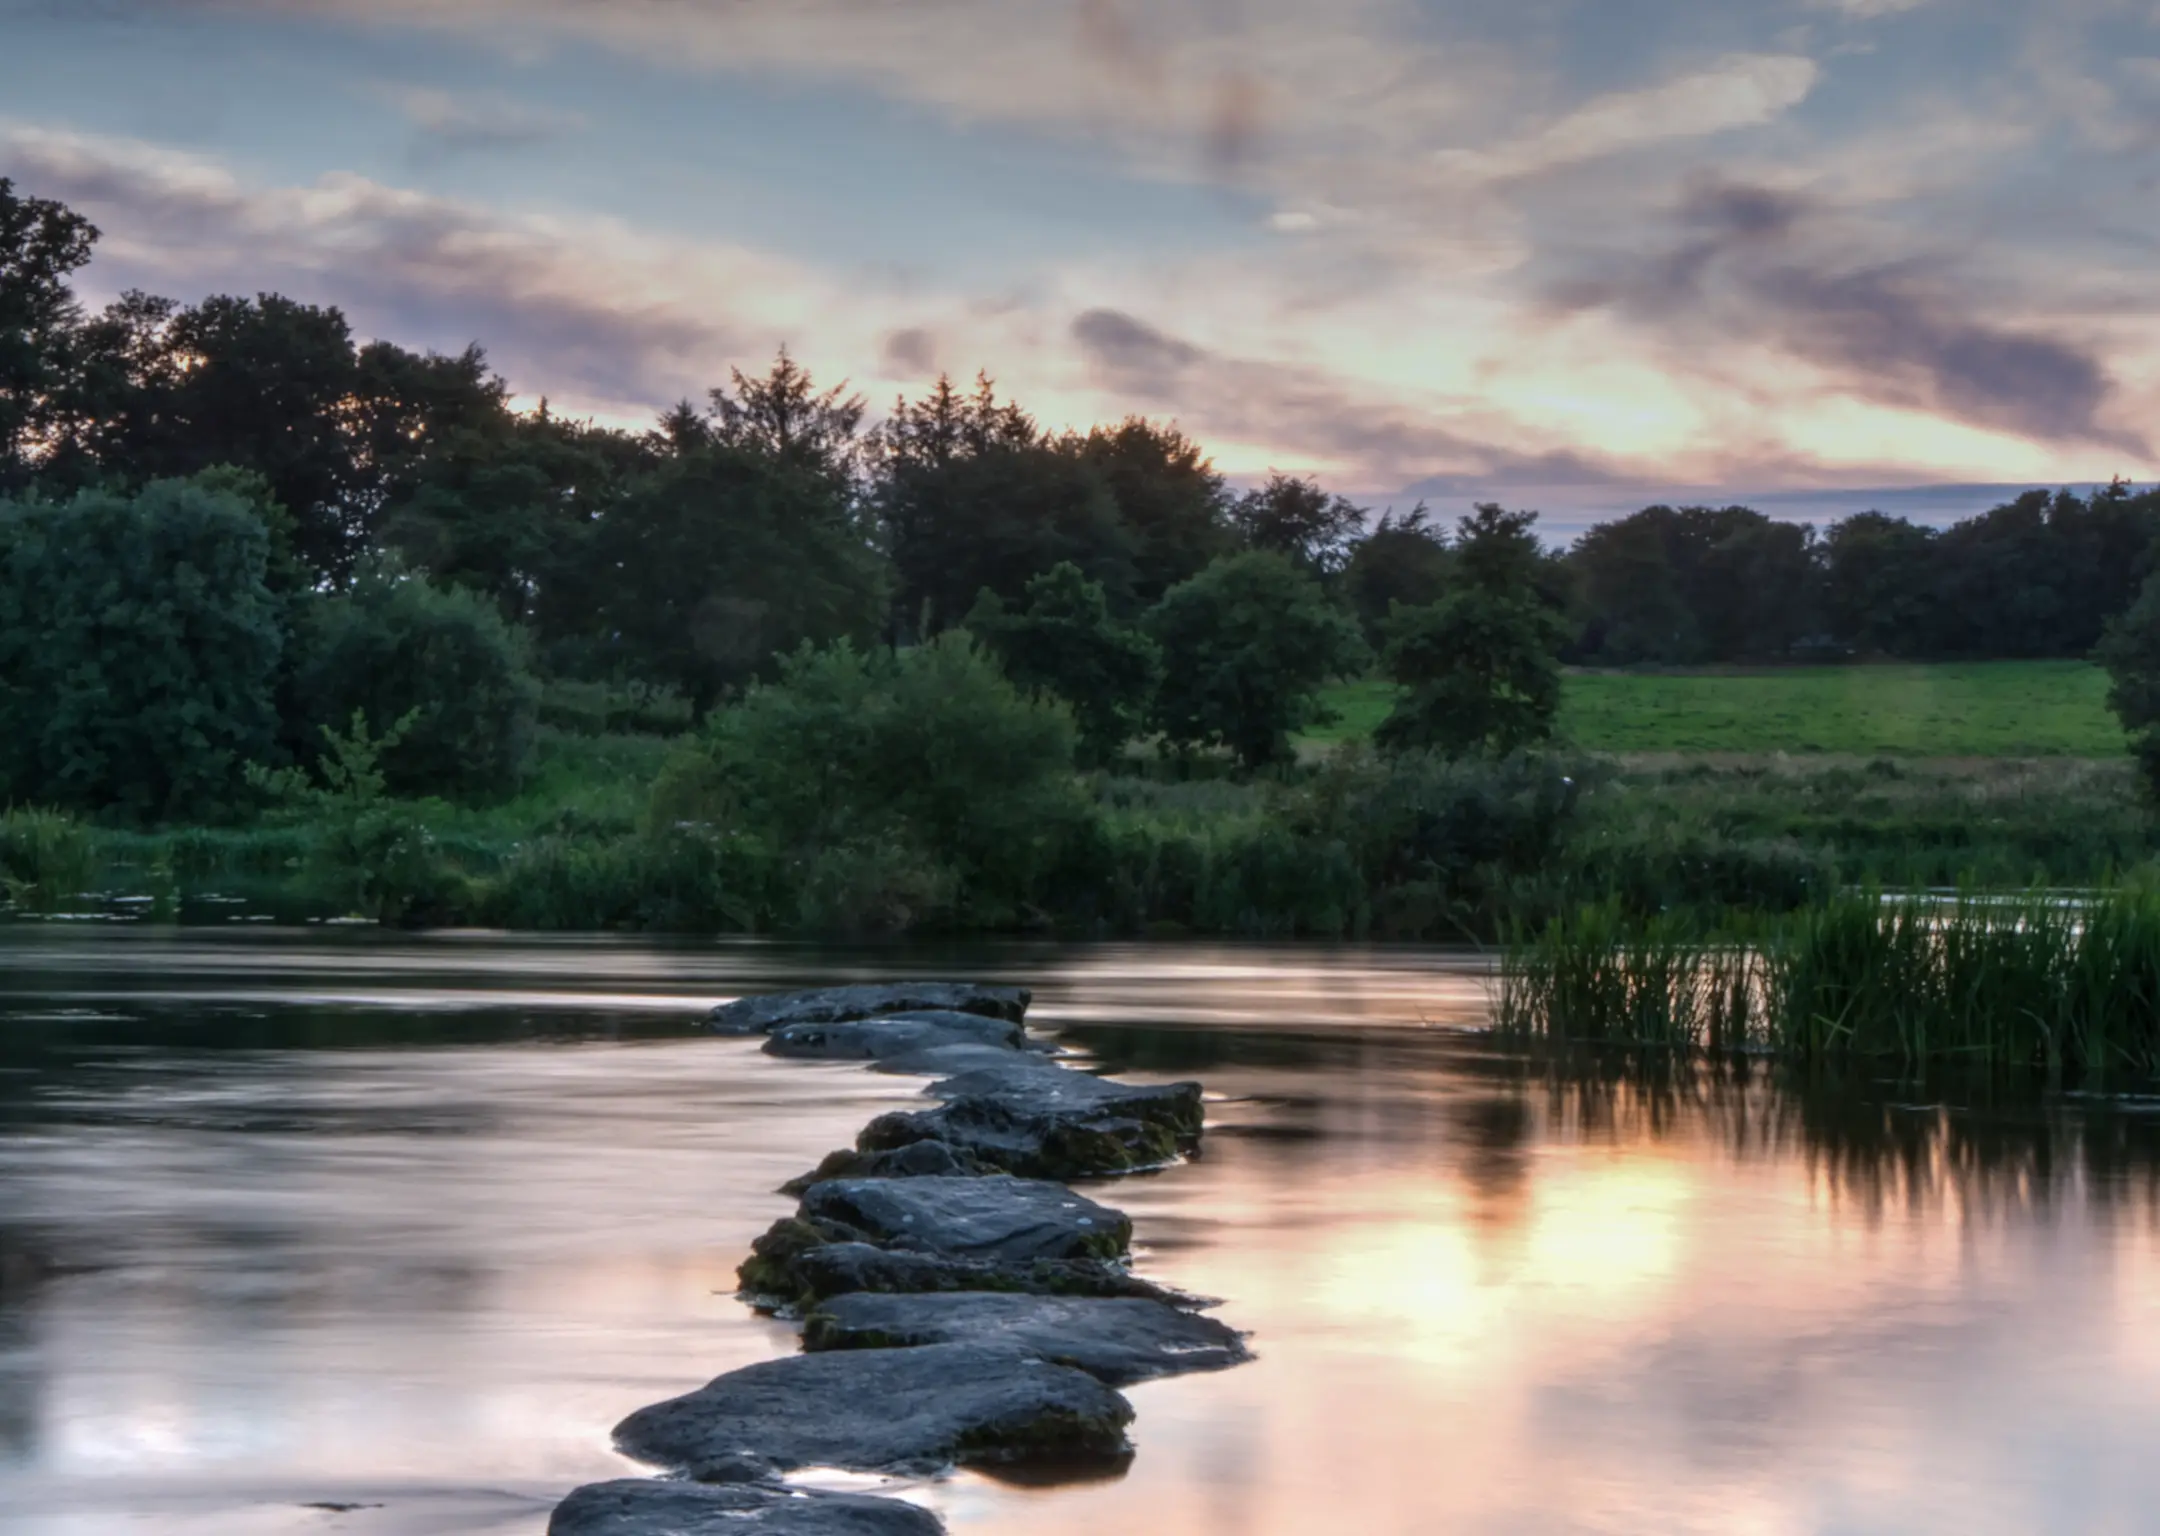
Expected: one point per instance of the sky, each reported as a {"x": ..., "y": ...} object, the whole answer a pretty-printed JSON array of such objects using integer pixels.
[{"x": 1571, "y": 254}]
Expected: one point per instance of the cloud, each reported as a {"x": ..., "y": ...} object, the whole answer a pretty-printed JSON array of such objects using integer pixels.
[
  {"x": 1755, "y": 264},
  {"x": 445, "y": 124},
  {"x": 1743, "y": 91}
]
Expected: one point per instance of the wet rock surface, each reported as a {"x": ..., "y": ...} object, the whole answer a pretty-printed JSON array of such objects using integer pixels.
[
  {"x": 836, "y": 1005},
  {"x": 994, "y": 1217},
  {"x": 884, "y": 1410},
  {"x": 952, "y": 1060},
  {"x": 813, "y": 1272},
  {"x": 1117, "y": 1341},
  {"x": 872, "y": 1039},
  {"x": 1024, "y": 1089},
  {"x": 648, "y": 1507},
  {"x": 996, "y": 1134}
]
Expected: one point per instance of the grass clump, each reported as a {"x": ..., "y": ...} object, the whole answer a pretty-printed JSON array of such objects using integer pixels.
[
  {"x": 47, "y": 857},
  {"x": 2066, "y": 988}
]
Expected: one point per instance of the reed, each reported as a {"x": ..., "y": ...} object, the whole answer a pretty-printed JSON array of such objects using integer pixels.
[
  {"x": 2069, "y": 988},
  {"x": 46, "y": 858}
]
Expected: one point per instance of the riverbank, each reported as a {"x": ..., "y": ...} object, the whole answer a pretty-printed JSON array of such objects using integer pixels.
[{"x": 1355, "y": 847}]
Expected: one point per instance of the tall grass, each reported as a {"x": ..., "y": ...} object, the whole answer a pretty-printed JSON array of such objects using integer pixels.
[
  {"x": 2071, "y": 989},
  {"x": 46, "y": 858}
]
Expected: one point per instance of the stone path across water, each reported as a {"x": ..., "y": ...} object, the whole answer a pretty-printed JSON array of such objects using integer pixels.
[{"x": 961, "y": 1305}]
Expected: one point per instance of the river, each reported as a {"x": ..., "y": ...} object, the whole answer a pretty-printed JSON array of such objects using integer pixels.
[{"x": 333, "y": 1231}]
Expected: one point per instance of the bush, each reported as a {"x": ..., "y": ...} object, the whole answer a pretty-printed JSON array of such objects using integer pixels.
[
  {"x": 394, "y": 647},
  {"x": 1065, "y": 644},
  {"x": 894, "y": 788},
  {"x": 139, "y": 651}
]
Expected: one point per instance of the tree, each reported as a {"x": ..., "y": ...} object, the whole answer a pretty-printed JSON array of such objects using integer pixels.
[
  {"x": 1480, "y": 668},
  {"x": 41, "y": 244},
  {"x": 1878, "y": 576},
  {"x": 1246, "y": 645},
  {"x": 139, "y": 651},
  {"x": 788, "y": 419},
  {"x": 2130, "y": 650},
  {"x": 1169, "y": 500},
  {"x": 1298, "y": 520},
  {"x": 1403, "y": 560},
  {"x": 436, "y": 663},
  {"x": 1065, "y": 644},
  {"x": 715, "y": 562},
  {"x": 971, "y": 496}
]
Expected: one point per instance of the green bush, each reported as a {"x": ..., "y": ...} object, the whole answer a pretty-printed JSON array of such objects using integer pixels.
[
  {"x": 894, "y": 788},
  {"x": 395, "y": 646},
  {"x": 139, "y": 651}
]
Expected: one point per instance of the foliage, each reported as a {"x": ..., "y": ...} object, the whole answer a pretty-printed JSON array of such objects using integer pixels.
[
  {"x": 139, "y": 650},
  {"x": 1169, "y": 499},
  {"x": 2130, "y": 652},
  {"x": 971, "y": 496},
  {"x": 1296, "y": 519},
  {"x": 1065, "y": 644},
  {"x": 1684, "y": 585},
  {"x": 892, "y": 786},
  {"x": 41, "y": 244},
  {"x": 397, "y": 647},
  {"x": 1402, "y": 561},
  {"x": 1480, "y": 668},
  {"x": 723, "y": 558},
  {"x": 371, "y": 856},
  {"x": 1246, "y": 646}
]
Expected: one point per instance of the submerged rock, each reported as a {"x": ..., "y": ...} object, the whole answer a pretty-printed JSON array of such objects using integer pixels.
[
  {"x": 785, "y": 1269},
  {"x": 1117, "y": 1341},
  {"x": 835, "y": 1005},
  {"x": 996, "y": 1217},
  {"x": 874, "y": 1039},
  {"x": 953, "y": 1060},
  {"x": 885, "y": 1410},
  {"x": 638, "y": 1506}
]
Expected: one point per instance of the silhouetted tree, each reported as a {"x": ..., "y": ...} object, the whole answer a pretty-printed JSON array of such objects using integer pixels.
[{"x": 1065, "y": 643}]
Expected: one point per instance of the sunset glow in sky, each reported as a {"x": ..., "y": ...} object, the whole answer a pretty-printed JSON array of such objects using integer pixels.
[{"x": 1537, "y": 249}]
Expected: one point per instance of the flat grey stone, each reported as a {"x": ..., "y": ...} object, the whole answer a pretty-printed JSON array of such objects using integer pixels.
[
  {"x": 1117, "y": 1341},
  {"x": 811, "y": 1274},
  {"x": 641, "y": 1506},
  {"x": 834, "y": 1005},
  {"x": 885, "y": 1410},
  {"x": 917, "y": 1160},
  {"x": 872, "y": 1039},
  {"x": 998, "y": 1217},
  {"x": 1029, "y": 1089}
]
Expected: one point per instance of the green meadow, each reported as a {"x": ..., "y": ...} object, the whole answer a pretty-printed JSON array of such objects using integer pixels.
[{"x": 1963, "y": 709}]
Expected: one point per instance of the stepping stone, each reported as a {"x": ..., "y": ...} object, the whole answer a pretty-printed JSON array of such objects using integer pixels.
[
  {"x": 1115, "y": 1341},
  {"x": 954, "y": 1059},
  {"x": 873, "y": 1039},
  {"x": 799, "y": 1275},
  {"x": 837, "y": 1005},
  {"x": 913, "y": 1411},
  {"x": 998, "y": 1217},
  {"x": 640, "y": 1506},
  {"x": 1025, "y": 1088}
]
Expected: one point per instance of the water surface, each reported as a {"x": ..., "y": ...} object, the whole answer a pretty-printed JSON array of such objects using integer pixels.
[{"x": 294, "y": 1219}]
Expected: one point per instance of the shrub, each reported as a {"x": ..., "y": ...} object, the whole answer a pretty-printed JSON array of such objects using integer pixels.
[
  {"x": 887, "y": 784},
  {"x": 45, "y": 857},
  {"x": 1065, "y": 644},
  {"x": 396, "y": 647},
  {"x": 139, "y": 651}
]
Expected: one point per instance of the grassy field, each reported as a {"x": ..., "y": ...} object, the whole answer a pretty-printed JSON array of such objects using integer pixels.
[{"x": 1972, "y": 709}]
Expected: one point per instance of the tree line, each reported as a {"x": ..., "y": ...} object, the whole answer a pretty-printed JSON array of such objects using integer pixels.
[{"x": 229, "y": 529}]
